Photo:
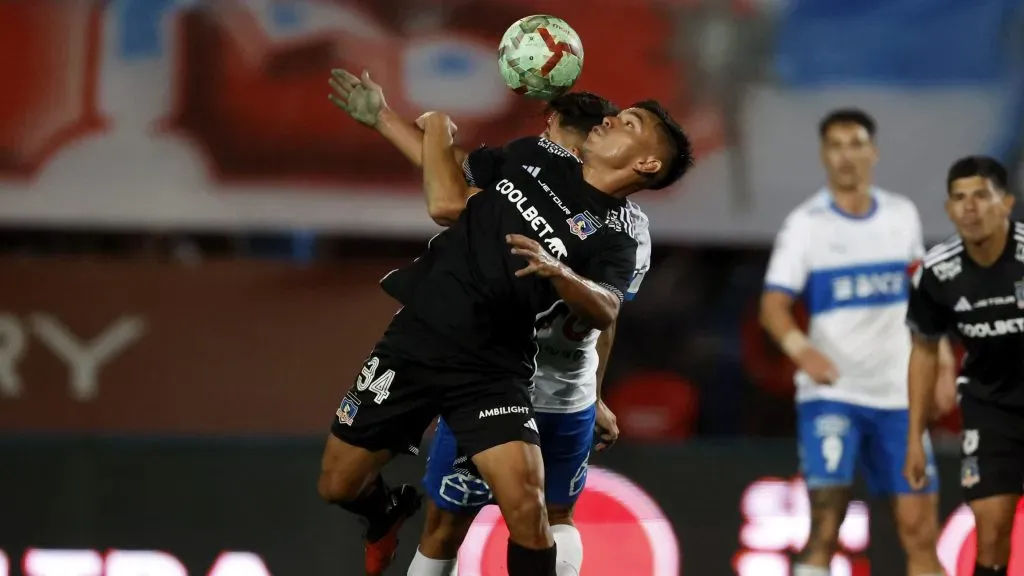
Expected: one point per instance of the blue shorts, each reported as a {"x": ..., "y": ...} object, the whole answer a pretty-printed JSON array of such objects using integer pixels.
[
  {"x": 833, "y": 437},
  {"x": 452, "y": 482}
]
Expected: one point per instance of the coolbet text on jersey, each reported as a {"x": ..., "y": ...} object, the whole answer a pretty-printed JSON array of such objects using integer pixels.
[{"x": 565, "y": 384}]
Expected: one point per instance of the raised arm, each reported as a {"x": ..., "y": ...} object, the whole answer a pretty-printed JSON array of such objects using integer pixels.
[
  {"x": 363, "y": 100},
  {"x": 443, "y": 181}
]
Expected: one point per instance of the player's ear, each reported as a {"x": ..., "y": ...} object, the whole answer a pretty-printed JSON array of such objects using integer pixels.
[
  {"x": 1008, "y": 201},
  {"x": 648, "y": 166}
]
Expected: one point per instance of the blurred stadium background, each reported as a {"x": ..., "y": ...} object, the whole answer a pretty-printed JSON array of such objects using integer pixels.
[{"x": 191, "y": 237}]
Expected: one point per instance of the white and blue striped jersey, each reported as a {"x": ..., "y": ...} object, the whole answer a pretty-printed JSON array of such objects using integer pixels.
[{"x": 852, "y": 273}]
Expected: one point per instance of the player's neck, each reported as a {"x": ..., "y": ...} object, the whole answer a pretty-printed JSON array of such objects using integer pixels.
[
  {"x": 856, "y": 201},
  {"x": 986, "y": 252},
  {"x": 605, "y": 181}
]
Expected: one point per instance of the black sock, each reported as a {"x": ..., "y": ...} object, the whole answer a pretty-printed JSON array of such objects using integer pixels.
[
  {"x": 374, "y": 504},
  {"x": 980, "y": 570},
  {"x": 526, "y": 562}
]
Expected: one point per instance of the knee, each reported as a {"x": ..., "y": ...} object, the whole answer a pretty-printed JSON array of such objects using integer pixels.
[
  {"x": 994, "y": 540},
  {"x": 526, "y": 517},
  {"x": 919, "y": 531},
  {"x": 338, "y": 485}
]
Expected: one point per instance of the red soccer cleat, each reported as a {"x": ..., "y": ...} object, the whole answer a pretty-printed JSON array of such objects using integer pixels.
[{"x": 381, "y": 550}]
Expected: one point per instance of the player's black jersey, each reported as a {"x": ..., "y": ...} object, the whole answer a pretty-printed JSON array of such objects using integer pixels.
[
  {"x": 464, "y": 286},
  {"x": 984, "y": 307}
]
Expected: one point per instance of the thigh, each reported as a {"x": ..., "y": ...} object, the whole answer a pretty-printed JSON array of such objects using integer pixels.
[
  {"x": 884, "y": 450},
  {"x": 991, "y": 451},
  {"x": 828, "y": 438},
  {"x": 451, "y": 480},
  {"x": 388, "y": 407},
  {"x": 484, "y": 412},
  {"x": 565, "y": 441}
]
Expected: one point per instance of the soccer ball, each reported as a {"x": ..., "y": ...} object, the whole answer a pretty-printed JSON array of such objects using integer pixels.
[{"x": 540, "y": 57}]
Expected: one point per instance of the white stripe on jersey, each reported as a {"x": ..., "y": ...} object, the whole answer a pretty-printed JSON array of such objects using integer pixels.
[{"x": 943, "y": 251}]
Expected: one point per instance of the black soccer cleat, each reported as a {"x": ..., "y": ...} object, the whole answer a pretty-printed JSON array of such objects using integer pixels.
[{"x": 382, "y": 540}]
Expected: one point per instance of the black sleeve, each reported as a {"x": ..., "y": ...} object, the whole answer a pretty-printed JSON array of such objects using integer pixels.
[
  {"x": 483, "y": 166},
  {"x": 614, "y": 265},
  {"x": 926, "y": 316}
]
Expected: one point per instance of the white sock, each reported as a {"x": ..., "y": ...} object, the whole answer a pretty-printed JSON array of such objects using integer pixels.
[
  {"x": 570, "y": 550},
  {"x": 804, "y": 570},
  {"x": 423, "y": 566}
]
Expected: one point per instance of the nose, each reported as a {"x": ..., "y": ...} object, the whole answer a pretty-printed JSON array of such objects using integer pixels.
[{"x": 607, "y": 122}]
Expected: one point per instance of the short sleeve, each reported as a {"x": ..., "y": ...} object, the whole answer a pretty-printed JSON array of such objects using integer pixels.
[
  {"x": 917, "y": 236},
  {"x": 926, "y": 316},
  {"x": 788, "y": 268},
  {"x": 643, "y": 256},
  {"x": 483, "y": 166},
  {"x": 615, "y": 266}
]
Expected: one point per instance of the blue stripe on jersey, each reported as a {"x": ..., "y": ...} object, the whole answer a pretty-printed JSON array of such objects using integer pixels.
[{"x": 861, "y": 286}]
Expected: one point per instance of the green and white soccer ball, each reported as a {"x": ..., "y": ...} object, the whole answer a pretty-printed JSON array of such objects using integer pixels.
[{"x": 540, "y": 57}]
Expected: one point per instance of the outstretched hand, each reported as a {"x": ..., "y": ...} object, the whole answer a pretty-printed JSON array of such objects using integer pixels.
[
  {"x": 360, "y": 98},
  {"x": 539, "y": 261}
]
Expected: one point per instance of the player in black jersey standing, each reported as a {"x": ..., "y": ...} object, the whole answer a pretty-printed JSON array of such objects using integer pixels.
[
  {"x": 545, "y": 228},
  {"x": 973, "y": 287}
]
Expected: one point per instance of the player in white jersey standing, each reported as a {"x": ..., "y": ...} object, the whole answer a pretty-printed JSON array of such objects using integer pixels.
[{"x": 847, "y": 252}]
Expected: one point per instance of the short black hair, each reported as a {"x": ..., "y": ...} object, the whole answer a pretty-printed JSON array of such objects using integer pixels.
[
  {"x": 984, "y": 166},
  {"x": 681, "y": 150},
  {"x": 581, "y": 111},
  {"x": 847, "y": 116}
]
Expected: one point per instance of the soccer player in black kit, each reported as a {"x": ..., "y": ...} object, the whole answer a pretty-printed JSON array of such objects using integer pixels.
[
  {"x": 463, "y": 345},
  {"x": 972, "y": 286}
]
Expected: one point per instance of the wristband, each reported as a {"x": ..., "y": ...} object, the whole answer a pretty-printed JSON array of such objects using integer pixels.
[{"x": 794, "y": 342}]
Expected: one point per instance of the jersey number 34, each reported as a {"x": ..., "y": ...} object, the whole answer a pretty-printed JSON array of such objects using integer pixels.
[{"x": 379, "y": 385}]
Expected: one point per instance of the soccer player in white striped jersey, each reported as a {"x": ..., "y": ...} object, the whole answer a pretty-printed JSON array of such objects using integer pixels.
[{"x": 847, "y": 251}]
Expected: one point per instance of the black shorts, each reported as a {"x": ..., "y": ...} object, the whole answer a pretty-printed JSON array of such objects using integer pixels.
[
  {"x": 394, "y": 399},
  {"x": 991, "y": 450}
]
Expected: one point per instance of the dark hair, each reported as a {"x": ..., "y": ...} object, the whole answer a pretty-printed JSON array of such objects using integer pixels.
[
  {"x": 581, "y": 111},
  {"x": 847, "y": 116},
  {"x": 680, "y": 150},
  {"x": 984, "y": 166}
]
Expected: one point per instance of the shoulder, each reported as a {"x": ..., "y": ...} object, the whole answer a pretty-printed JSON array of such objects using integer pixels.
[
  {"x": 806, "y": 215},
  {"x": 641, "y": 227},
  {"x": 896, "y": 204},
  {"x": 945, "y": 251},
  {"x": 943, "y": 262}
]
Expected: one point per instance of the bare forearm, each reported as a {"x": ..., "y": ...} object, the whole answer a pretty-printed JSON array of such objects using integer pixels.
[
  {"x": 947, "y": 360},
  {"x": 408, "y": 138},
  {"x": 924, "y": 364},
  {"x": 604, "y": 351},
  {"x": 591, "y": 303},
  {"x": 777, "y": 319},
  {"x": 443, "y": 182}
]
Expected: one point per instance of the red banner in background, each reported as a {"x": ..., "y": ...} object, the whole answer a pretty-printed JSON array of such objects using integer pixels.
[
  {"x": 258, "y": 106},
  {"x": 236, "y": 347}
]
